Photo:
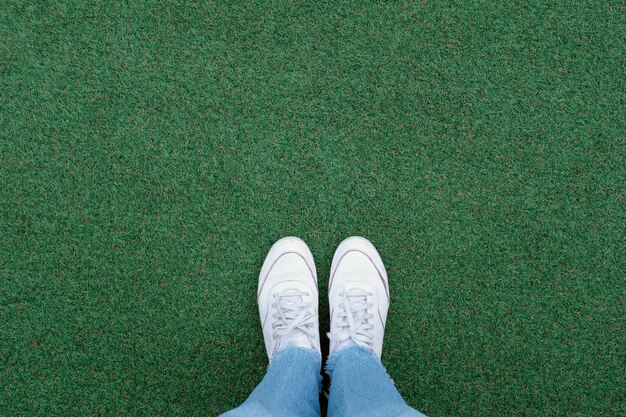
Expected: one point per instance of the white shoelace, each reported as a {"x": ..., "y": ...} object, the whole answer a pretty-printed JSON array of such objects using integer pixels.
[
  {"x": 354, "y": 318},
  {"x": 293, "y": 313}
]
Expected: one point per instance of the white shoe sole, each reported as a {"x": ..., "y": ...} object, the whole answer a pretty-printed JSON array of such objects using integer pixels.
[
  {"x": 357, "y": 265},
  {"x": 288, "y": 249}
]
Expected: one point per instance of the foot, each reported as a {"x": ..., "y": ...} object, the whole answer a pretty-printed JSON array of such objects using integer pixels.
[
  {"x": 288, "y": 297},
  {"x": 358, "y": 296}
]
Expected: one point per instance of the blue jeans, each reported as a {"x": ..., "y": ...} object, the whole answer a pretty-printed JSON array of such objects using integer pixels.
[{"x": 360, "y": 387}]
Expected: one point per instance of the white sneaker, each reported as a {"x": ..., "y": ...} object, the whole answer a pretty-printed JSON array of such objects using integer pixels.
[
  {"x": 358, "y": 296},
  {"x": 288, "y": 297}
]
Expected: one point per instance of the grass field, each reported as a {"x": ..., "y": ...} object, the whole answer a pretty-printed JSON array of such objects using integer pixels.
[{"x": 151, "y": 153}]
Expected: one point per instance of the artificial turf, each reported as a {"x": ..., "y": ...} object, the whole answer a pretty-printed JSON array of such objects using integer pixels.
[{"x": 151, "y": 152}]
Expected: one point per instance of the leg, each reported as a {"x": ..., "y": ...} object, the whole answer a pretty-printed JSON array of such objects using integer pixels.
[
  {"x": 287, "y": 296},
  {"x": 361, "y": 387},
  {"x": 290, "y": 387},
  {"x": 358, "y": 296}
]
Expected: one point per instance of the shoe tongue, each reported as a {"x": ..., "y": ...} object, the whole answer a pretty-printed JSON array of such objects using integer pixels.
[
  {"x": 297, "y": 338},
  {"x": 345, "y": 344},
  {"x": 295, "y": 298}
]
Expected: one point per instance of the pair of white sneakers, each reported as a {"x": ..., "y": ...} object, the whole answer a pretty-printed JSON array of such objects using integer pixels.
[{"x": 358, "y": 294}]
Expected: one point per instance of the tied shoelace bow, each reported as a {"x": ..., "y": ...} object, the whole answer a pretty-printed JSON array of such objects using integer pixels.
[
  {"x": 292, "y": 313},
  {"x": 354, "y": 318}
]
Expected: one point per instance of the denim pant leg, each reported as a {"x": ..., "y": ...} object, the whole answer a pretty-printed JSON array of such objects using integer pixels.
[
  {"x": 290, "y": 387},
  {"x": 360, "y": 386}
]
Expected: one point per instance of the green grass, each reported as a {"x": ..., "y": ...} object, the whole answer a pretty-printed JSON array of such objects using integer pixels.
[{"x": 150, "y": 154}]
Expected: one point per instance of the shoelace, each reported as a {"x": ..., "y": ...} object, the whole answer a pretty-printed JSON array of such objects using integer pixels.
[
  {"x": 354, "y": 318},
  {"x": 293, "y": 313}
]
